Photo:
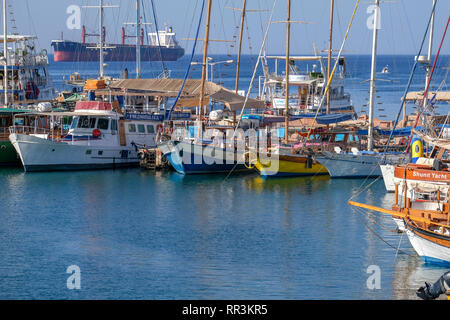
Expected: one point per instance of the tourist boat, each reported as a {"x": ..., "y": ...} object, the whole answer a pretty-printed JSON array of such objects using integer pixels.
[
  {"x": 422, "y": 204},
  {"x": 28, "y": 78},
  {"x": 297, "y": 158},
  {"x": 100, "y": 136},
  {"x": 361, "y": 163},
  {"x": 8, "y": 155},
  {"x": 309, "y": 87},
  {"x": 355, "y": 164},
  {"x": 385, "y": 69}
]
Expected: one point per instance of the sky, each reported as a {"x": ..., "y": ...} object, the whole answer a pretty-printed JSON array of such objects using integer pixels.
[{"x": 402, "y": 23}]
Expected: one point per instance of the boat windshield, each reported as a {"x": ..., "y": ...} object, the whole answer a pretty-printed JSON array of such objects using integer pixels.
[{"x": 86, "y": 122}]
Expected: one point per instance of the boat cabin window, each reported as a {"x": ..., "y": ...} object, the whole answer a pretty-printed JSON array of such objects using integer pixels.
[
  {"x": 141, "y": 128},
  {"x": 103, "y": 123},
  {"x": 86, "y": 123},
  {"x": 74, "y": 123},
  {"x": 131, "y": 127},
  {"x": 113, "y": 124},
  {"x": 150, "y": 129}
]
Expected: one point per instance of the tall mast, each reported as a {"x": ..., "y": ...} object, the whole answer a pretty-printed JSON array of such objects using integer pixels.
[
  {"x": 286, "y": 105},
  {"x": 100, "y": 28},
  {"x": 138, "y": 41},
  {"x": 240, "y": 44},
  {"x": 430, "y": 48},
  {"x": 205, "y": 61},
  {"x": 5, "y": 54},
  {"x": 330, "y": 43},
  {"x": 372, "y": 76}
]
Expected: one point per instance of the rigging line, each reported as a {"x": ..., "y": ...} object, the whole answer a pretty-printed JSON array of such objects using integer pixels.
[
  {"x": 425, "y": 93},
  {"x": 157, "y": 37},
  {"x": 410, "y": 78},
  {"x": 378, "y": 236},
  {"x": 398, "y": 248},
  {"x": 334, "y": 69},
  {"x": 263, "y": 44},
  {"x": 146, "y": 36},
  {"x": 365, "y": 188},
  {"x": 371, "y": 218},
  {"x": 190, "y": 62},
  {"x": 256, "y": 67}
]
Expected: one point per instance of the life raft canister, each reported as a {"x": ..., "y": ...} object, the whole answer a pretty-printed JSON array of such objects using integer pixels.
[
  {"x": 416, "y": 150},
  {"x": 96, "y": 133}
]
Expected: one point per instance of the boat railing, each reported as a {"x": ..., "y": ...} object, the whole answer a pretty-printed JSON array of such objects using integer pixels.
[{"x": 28, "y": 130}]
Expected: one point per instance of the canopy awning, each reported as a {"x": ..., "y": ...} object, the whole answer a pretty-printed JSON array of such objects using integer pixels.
[
  {"x": 190, "y": 96},
  {"x": 325, "y": 118},
  {"x": 418, "y": 95}
]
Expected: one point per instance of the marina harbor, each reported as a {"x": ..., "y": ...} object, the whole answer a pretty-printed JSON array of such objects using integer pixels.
[{"x": 220, "y": 150}]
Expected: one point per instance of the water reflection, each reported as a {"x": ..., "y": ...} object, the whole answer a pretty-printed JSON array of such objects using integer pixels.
[{"x": 410, "y": 273}]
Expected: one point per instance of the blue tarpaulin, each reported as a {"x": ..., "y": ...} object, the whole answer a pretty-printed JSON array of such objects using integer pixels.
[{"x": 325, "y": 118}]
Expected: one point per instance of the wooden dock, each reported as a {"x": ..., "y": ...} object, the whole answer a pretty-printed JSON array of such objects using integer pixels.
[{"x": 152, "y": 159}]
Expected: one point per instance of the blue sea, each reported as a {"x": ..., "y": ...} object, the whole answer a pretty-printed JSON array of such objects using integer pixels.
[{"x": 136, "y": 234}]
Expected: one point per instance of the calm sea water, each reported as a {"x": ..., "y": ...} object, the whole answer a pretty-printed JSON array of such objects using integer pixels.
[{"x": 140, "y": 235}]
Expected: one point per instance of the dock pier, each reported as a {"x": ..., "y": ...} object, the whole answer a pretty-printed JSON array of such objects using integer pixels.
[{"x": 152, "y": 159}]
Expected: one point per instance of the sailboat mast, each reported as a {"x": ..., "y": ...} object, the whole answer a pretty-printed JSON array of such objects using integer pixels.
[
  {"x": 286, "y": 106},
  {"x": 244, "y": 4},
  {"x": 5, "y": 54},
  {"x": 330, "y": 43},
  {"x": 100, "y": 27},
  {"x": 430, "y": 48},
  {"x": 138, "y": 41},
  {"x": 204, "y": 65},
  {"x": 372, "y": 76}
]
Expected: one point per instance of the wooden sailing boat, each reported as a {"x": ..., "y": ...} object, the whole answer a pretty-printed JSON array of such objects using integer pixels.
[
  {"x": 421, "y": 204},
  {"x": 293, "y": 159}
]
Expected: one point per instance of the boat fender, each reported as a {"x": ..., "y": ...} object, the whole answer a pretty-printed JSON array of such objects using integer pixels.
[
  {"x": 430, "y": 292},
  {"x": 416, "y": 150},
  {"x": 309, "y": 159},
  {"x": 96, "y": 133}
]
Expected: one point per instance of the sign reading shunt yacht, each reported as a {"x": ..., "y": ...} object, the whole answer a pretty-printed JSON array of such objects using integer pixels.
[{"x": 100, "y": 136}]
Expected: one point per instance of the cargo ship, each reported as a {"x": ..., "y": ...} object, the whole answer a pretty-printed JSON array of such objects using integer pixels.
[{"x": 166, "y": 49}]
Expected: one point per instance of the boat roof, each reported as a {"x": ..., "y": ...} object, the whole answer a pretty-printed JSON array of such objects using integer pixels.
[
  {"x": 17, "y": 37},
  {"x": 418, "y": 95},
  {"x": 302, "y": 58},
  {"x": 14, "y": 110},
  {"x": 190, "y": 95}
]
